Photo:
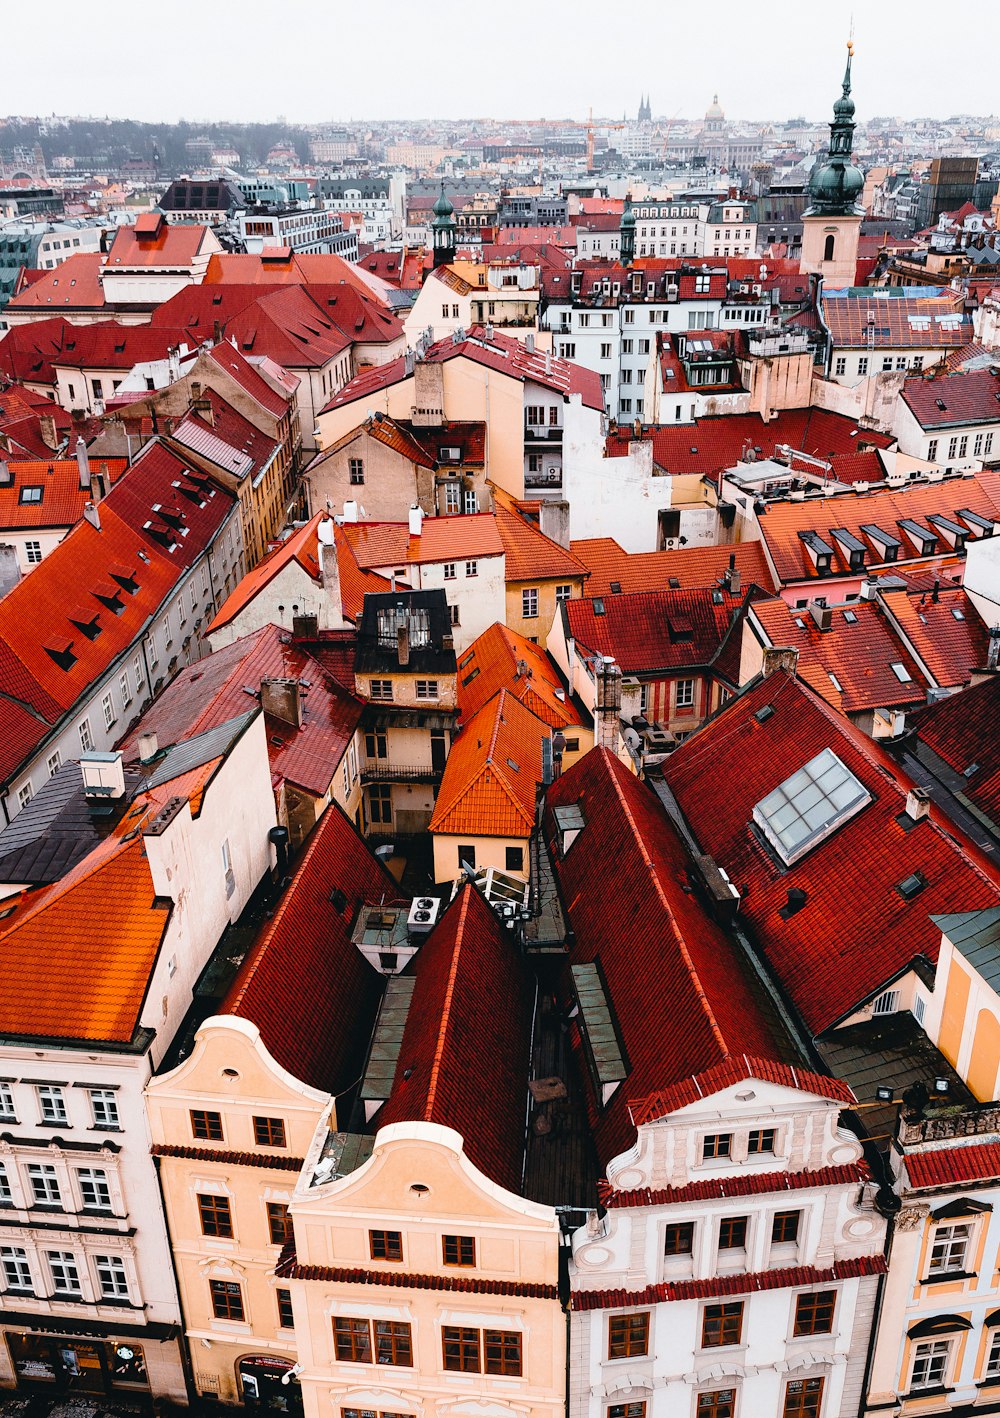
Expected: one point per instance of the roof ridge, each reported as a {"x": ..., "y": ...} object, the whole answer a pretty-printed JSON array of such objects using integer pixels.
[
  {"x": 449, "y": 996},
  {"x": 106, "y": 852}
]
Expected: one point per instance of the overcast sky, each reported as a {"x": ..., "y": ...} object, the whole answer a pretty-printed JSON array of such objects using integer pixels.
[{"x": 253, "y": 60}]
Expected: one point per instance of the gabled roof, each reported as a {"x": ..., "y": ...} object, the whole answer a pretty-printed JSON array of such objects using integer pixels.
[
  {"x": 492, "y": 773},
  {"x": 654, "y": 630},
  {"x": 609, "y": 564},
  {"x": 389, "y": 544},
  {"x": 945, "y": 630},
  {"x": 73, "y": 285},
  {"x": 464, "y": 1059},
  {"x": 106, "y": 344},
  {"x": 900, "y": 318},
  {"x": 213, "y": 690},
  {"x": 501, "y": 353},
  {"x": 530, "y": 555},
  {"x": 306, "y": 986},
  {"x": 27, "y": 351},
  {"x": 227, "y": 357},
  {"x": 856, "y": 930},
  {"x": 623, "y": 880},
  {"x": 964, "y": 731},
  {"x": 157, "y": 243},
  {"x": 970, "y": 396},
  {"x": 63, "y": 499},
  {"x": 301, "y": 547},
  {"x": 502, "y": 659}
]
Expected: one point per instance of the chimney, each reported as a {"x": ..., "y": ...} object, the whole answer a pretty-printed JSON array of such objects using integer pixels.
[
  {"x": 609, "y": 702},
  {"x": 822, "y": 615},
  {"x": 49, "y": 432},
  {"x": 103, "y": 776},
  {"x": 918, "y": 804},
  {"x": 869, "y": 588},
  {"x": 330, "y": 573},
  {"x": 408, "y": 361},
  {"x": 282, "y": 699},
  {"x": 779, "y": 657},
  {"x": 305, "y": 627},
  {"x": 195, "y": 390},
  {"x": 553, "y": 520},
  {"x": 733, "y": 578},
  {"x": 149, "y": 747},
  {"x": 529, "y": 342},
  {"x": 217, "y": 332},
  {"x": 83, "y": 463},
  {"x": 637, "y": 428},
  {"x": 10, "y": 571},
  {"x": 416, "y": 520},
  {"x": 92, "y": 515},
  {"x": 350, "y": 510},
  {"x": 403, "y": 643}
]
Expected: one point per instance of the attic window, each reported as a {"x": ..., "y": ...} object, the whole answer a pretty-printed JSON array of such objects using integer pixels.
[
  {"x": 598, "y": 606},
  {"x": 764, "y": 713},
  {"x": 616, "y": 588},
  {"x": 470, "y": 676},
  {"x": 31, "y": 494},
  {"x": 808, "y": 806},
  {"x": 89, "y": 628},
  {"x": 516, "y": 766},
  {"x": 912, "y": 885},
  {"x": 851, "y": 617},
  {"x": 959, "y": 615},
  {"x": 126, "y": 581},
  {"x": 674, "y": 583},
  {"x": 901, "y": 672},
  {"x": 62, "y": 655}
]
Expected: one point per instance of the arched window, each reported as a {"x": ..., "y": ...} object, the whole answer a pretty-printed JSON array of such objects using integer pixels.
[{"x": 828, "y": 248}]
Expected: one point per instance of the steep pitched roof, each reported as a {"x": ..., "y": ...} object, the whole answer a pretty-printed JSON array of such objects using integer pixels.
[
  {"x": 63, "y": 499},
  {"x": 964, "y": 731},
  {"x": 492, "y": 773},
  {"x": 389, "y": 544},
  {"x": 609, "y": 564},
  {"x": 530, "y": 554},
  {"x": 306, "y": 986},
  {"x": 945, "y": 630},
  {"x": 680, "y": 996},
  {"x": 502, "y": 659},
  {"x": 464, "y": 1058},
  {"x": 856, "y": 930},
  {"x": 654, "y": 630},
  {"x": 899, "y": 318}
]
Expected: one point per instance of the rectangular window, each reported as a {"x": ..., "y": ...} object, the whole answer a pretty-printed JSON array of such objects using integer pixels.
[
  {"x": 125, "y": 687},
  {"x": 51, "y": 1104},
  {"x": 269, "y": 1132},
  {"x": 452, "y": 498},
  {"x": 952, "y": 447},
  {"x": 103, "y": 1107},
  {"x": 108, "y": 706},
  {"x": 356, "y": 470},
  {"x": 627, "y": 1410},
  {"x": 628, "y": 1335},
  {"x": 722, "y": 1324},
  {"x": 460, "y": 1347},
  {"x": 33, "y": 552},
  {"x": 7, "y": 1113},
  {"x": 25, "y": 795},
  {"x": 111, "y": 1277},
  {"x": 502, "y": 1351},
  {"x": 993, "y": 1357},
  {"x": 94, "y": 1190},
  {"x": 529, "y": 603},
  {"x": 216, "y": 1216},
  {"x": 720, "y": 1403},
  {"x": 814, "y": 1312},
  {"x": 761, "y": 1140},
  {"x": 840, "y": 366},
  {"x": 385, "y": 1245},
  {"x": 732, "y": 1233},
  {"x": 65, "y": 1274},
  {"x": 803, "y": 1398},
  {"x": 949, "y": 1248},
  {"x": 678, "y": 1238},
  {"x": 206, "y": 1125},
  {"x": 458, "y": 1250},
  {"x": 380, "y": 803},
  {"x": 514, "y": 859},
  {"x": 563, "y": 593},
  {"x": 86, "y": 737},
  {"x": 427, "y": 689},
  {"x": 684, "y": 695},
  {"x": 6, "y": 1195},
  {"x": 716, "y": 1144},
  {"x": 381, "y": 689},
  {"x": 930, "y": 1364},
  {"x": 472, "y": 568},
  {"x": 227, "y": 1299},
  {"x": 53, "y": 762},
  {"x": 863, "y": 365},
  {"x": 963, "y": 446},
  {"x": 16, "y": 1271},
  {"x": 785, "y": 1227},
  {"x": 393, "y": 1343},
  {"x": 932, "y": 448},
  {"x": 449, "y": 571},
  {"x": 286, "y": 1320}
]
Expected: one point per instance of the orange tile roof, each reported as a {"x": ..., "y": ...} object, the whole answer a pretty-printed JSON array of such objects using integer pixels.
[
  {"x": 389, "y": 544},
  {"x": 76, "y": 283},
  {"x": 492, "y": 773},
  {"x": 531, "y": 556},
  {"x": 652, "y": 570},
  {"x": 491, "y": 664},
  {"x": 63, "y": 499},
  {"x": 947, "y": 633},
  {"x": 301, "y": 546},
  {"x": 159, "y": 245}
]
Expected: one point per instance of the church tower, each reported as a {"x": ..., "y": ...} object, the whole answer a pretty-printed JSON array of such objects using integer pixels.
[
  {"x": 831, "y": 224},
  {"x": 443, "y": 231}
]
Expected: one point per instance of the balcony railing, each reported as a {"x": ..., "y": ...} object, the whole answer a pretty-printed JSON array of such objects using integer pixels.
[
  {"x": 537, "y": 434},
  {"x": 387, "y": 772}
]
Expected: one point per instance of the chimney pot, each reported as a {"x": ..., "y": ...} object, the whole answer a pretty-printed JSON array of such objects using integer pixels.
[
  {"x": 149, "y": 747},
  {"x": 403, "y": 644},
  {"x": 918, "y": 803}
]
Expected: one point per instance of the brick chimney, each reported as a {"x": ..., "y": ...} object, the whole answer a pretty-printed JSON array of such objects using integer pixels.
[
  {"x": 609, "y": 704},
  {"x": 780, "y": 657},
  {"x": 49, "y": 432}
]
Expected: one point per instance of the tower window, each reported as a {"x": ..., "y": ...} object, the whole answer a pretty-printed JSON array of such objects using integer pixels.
[{"x": 828, "y": 248}]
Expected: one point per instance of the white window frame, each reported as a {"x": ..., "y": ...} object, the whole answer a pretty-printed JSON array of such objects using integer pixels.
[{"x": 52, "y": 1104}]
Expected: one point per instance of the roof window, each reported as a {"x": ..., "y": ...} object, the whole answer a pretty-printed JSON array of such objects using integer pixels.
[
  {"x": 912, "y": 885},
  {"x": 598, "y": 605},
  {"x": 808, "y": 806},
  {"x": 851, "y": 617},
  {"x": 901, "y": 672}
]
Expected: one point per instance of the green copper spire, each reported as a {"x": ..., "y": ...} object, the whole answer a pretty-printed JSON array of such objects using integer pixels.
[{"x": 836, "y": 184}]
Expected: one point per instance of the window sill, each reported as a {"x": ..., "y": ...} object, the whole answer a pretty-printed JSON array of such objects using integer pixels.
[
  {"x": 949, "y": 1277},
  {"x": 104, "y": 1127},
  {"x": 63, "y": 1127},
  {"x": 938, "y": 1391}
]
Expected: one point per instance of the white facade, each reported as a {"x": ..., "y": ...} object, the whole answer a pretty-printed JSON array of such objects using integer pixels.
[
  {"x": 718, "y": 1337},
  {"x": 963, "y": 448}
]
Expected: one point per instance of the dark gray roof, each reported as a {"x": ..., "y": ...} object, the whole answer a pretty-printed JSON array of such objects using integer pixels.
[
  {"x": 194, "y": 753},
  {"x": 977, "y": 935},
  {"x": 54, "y": 831}
]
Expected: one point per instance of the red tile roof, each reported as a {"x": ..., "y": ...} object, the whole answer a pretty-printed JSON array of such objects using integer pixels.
[
  {"x": 320, "y": 1033},
  {"x": 492, "y": 773},
  {"x": 857, "y": 653},
  {"x": 213, "y": 690},
  {"x": 882, "y": 507},
  {"x": 654, "y": 630},
  {"x": 465, "y": 1054},
  {"x": 898, "y": 321},
  {"x": 224, "y": 1157},
  {"x": 63, "y": 499},
  {"x": 149, "y": 499},
  {"x": 741, "y": 1184},
  {"x": 628, "y": 867},
  {"x": 157, "y": 245},
  {"x": 502, "y": 354},
  {"x": 27, "y": 351},
  {"x": 710, "y": 445},
  {"x": 530, "y": 555},
  {"x": 108, "y": 345},
  {"x": 947, "y": 633},
  {"x": 856, "y": 931},
  {"x": 653, "y": 570},
  {"x": 288, "y": 1268},
  {"x": 964, "y": 730},
  {"x": 389, "y": 544},
  {"x": 73, "y": 285},
  {"x": 748, "y": 1283},
  {"x": 494, "y": 661},
  {"x": 969, "y": 396},
  {"x": 960, "y": 1163}
]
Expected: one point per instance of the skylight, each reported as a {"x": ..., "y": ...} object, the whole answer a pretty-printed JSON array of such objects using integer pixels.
[
  {"x": 809, "y": 805},
  {"x": 901, "y": 672}
]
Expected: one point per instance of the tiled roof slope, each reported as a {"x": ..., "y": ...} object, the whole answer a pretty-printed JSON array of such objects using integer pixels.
[
  {"x": 214, "y": 690},
  {"x": 75, "y": 284},
  {"x": 464, "y": 1059},
  {"x": 63, "y": 499},
  {"x": 884, "y": 508},
  {"x": 492, "y": 773},
  {"x": 169, "y": 246},
  {"x": 856, "y": 931},
  {"x": 530, "y": 554},
  {"x": 653, "y": 570},
  {"x": 493, "y": 661},
  {"x": 964, "y": 731},
  {"x": 302, "y": 546},
  {"x": 654, "y": 630},
  {"x": 945, "y": 630},
  {"x": 856, "y": 653},
  {"x": 970, "y": 396},
  {"x": 681, "y": 997},
  {"x": 912, "y": 320},
  {"x": 304, "y": 983},
  {"x": 961, "y": 1163},
  {"x": 387, "y": 544}
]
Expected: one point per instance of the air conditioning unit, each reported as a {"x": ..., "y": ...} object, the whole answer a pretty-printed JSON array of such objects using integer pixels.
[{"x": 423, "y": 915}]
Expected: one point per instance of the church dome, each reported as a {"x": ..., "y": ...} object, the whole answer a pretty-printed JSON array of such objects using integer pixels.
[
  {"x": 442, "y": 207},
  {"x": 713, "y": 110}
]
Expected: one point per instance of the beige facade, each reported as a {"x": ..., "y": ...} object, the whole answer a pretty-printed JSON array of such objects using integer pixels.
[
  {"x": 830, "y": 248},
  {"x": 466, "y": 1321}
]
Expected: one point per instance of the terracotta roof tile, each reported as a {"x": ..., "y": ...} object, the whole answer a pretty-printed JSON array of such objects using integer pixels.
[
  {"x": 653, "y": 570},
  {"x": 166, "y": 245},
  {"x": 964, "y": 730},
  {"x": 495, "y": 656},
  {"x": 288, "y": 1268},
  {"x": 530, "y": 554},
  {"x": 389, "y": 544},
  {"x": 75, "y": 284},
  {"x": 492, "y": 773},
  {"x": 947, "y": 632},
  {"x": 956, "y": 1164},
  {"x": 270, "y": 1160},
  {"x": 63, "y": 499},
  {"x": 748, "y": 1283},
  {"x": 740, "y": 1184},
  {"x": 654, "y": 630},
  {"x": 970, "y": 396}
]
